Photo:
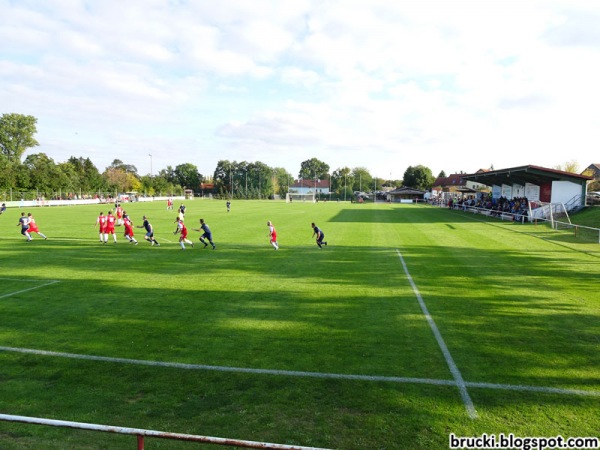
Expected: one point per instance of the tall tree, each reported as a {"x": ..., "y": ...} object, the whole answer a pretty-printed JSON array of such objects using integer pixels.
[
  {"x": 89, "y": 178},
  {"x": 418, "y": 177},
  {"x": 283, "y": 179},
  {"x": 313, "y": 168},
  {"x": 339, "y": 181},
  {"x": 116, "y": 178},
  {"x": 362, "y": 179},
  {"x": 223, "y": 174},
  {"x": 43, "y": 173},
  {"x": 8, "y": 177},
  {"x": 118, "y": 164},
  {"x": 16, "y": 135},
  {"x": 187, "y": 175},
  {"x": 168, "y": 174}
]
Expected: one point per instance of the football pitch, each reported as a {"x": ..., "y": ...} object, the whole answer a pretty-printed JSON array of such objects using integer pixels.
[{"x": 413, "y": 323}]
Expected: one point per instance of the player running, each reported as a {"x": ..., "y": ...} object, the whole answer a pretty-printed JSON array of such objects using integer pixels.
[
  {"x": 183, "y": 232},
  {"x": 320, "y": 235},
  {"x": 128, "y": 224},
  {"x": 273, "y": 235},
  {"x": 33, "y": 228},
  {"x": 24, "y": 224},
  {"x": 206, "y": 235},
  {"x": 149, "y": 231}
]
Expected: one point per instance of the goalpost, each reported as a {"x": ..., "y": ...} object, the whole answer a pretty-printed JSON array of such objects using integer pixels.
[
  {"x": 294, "y": 196},
  {"x": 550, "y": 212}
]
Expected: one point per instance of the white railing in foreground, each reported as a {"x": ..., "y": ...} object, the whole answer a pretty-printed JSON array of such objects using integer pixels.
[{"x": 141, "y": 433}]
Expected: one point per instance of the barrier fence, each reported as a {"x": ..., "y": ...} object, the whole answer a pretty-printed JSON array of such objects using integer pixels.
[
  {"x": 588, "y": 234},
  {"x": 141, "y": 434}
]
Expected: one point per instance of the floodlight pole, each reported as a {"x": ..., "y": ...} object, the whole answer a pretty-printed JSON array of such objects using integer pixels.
[{"x": 150, "y": 164}]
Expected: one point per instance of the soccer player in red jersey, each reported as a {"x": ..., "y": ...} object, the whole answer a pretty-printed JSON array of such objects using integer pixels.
[
  {"x": 110, "y": 227},
  {"x": 119, "y": 214},
  {"x": 101, "y": 222},
  {"x": 129, "y": 230},
  {"x": 183, "y": 232},
  {"x": 33, "y": 228},
  {"x": 273, "y": 235}
]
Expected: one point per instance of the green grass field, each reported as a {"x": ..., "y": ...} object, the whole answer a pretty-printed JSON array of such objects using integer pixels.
[{"x": 340, "y": 350}]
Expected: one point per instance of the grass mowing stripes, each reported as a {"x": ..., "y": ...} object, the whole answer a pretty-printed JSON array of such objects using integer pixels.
[{"x": 512, "y": 308}]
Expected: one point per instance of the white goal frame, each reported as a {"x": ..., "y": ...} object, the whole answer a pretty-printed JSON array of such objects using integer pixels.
[{"x": 296, "y": 196}]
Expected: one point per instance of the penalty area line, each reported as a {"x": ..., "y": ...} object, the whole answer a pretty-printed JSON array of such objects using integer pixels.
[
  {"x": 30, "y": 289},
  {"x": 301, "y": 374},
  {"x": 292, "y": 373},
  {"x": 460, "y": 382}
]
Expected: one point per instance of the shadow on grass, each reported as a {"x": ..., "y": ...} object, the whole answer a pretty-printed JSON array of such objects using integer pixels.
[
  {"x": 507, "y": 316},
  {"x": 397, "y": 214}
]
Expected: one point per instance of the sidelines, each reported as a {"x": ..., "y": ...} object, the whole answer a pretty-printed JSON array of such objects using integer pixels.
[
  {"x": 460, "y": 383},
  {"x": 28, "y": 289},
  {"x": 301, "y": 374}
]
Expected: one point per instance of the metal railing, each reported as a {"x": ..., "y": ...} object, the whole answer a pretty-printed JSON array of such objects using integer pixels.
[{"x": 141, "y": 434}]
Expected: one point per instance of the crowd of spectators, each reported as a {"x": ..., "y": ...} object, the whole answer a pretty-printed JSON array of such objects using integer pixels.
[{"x": 517, "y": 207}]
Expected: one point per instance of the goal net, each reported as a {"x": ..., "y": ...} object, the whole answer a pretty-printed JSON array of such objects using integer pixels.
[
  {"x": 551, "y": 212},
  {"x": 296, "y": 197}
]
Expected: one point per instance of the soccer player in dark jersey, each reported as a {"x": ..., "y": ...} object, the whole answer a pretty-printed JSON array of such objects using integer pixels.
[
  {"x": 320, "y": 235},
  {"x": 206, "y": 235},
  {"x": 149, "y": 231},
  {"x": 2, "y": 208},
  {"x": 24, "y": 224}
]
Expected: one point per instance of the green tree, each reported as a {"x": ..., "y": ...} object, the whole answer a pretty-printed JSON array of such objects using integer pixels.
[
  {"x": 341, "y": 181},
  {"x": 313, "y": 168},
  {"x": 283, "y": 179},
  {"x": 127, "y": 168},
  {"x": 418, "y": 177},
  {"x": 16, "y": 135},
  {"x": 442, "y": 174},
  {"x": 223, "y": 176},
  {"x": 361, "y": 179},
  {"x": 187, "y": 175},
  {"x": 43, "y": 173},
  {"x": 89, "y": 178},
  {"x": 7, "y": 172}
]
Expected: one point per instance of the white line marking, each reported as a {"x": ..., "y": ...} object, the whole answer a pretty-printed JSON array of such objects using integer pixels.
[
  {"x": 547, "y": 390},
  {"x": 293, "y": 373},
  {"x": 460, "y": 383},
  {"x": 21, "y": 280},
  {"x": 30, "y": 289}
]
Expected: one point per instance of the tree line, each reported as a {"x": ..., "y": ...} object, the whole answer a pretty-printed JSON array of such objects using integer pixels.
[{"x": 38, "y": 175}]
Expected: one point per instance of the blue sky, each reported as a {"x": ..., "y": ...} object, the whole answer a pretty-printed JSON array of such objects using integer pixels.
[{"x": 455, "y": 86}]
